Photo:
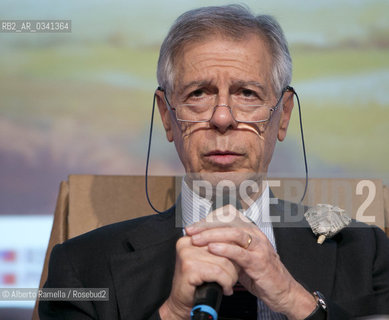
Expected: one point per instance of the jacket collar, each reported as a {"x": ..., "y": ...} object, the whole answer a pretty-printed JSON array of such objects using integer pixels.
[{"x": 143, "y": 274}]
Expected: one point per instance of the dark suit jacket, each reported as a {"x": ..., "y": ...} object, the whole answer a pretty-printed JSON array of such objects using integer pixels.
[{"x": 135, "y": 260}]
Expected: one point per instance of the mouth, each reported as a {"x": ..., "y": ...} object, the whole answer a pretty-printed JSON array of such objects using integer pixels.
[{"x": 223, "y": 158}]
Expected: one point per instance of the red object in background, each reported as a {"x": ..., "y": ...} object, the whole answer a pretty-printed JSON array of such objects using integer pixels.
[
  {"x": 9, "y": 278},
  {"x": 8, "y": 255}
]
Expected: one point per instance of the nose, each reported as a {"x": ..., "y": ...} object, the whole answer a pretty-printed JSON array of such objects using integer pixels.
[{"x": 222, "y": 119}]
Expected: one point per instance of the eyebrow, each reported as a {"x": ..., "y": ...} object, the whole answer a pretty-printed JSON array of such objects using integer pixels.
[
  {"x": 242, "y": 83},
  {"x": 195, "y": 83},
  {"x": 238, "y": 83}
]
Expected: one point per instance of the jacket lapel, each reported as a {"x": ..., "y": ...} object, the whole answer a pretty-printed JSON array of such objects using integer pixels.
[
  {"x": 149, "y": 259},
  {"x": 311, "y": 264}
]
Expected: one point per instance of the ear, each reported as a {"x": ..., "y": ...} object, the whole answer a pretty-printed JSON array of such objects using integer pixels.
[
  {"x": 285, "y": 115},
  {"x": 165, "y": 114}
]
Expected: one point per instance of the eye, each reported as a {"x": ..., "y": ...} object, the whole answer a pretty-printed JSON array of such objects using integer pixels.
[
  {"x": 197, "y": 96},
  {"x": 247, "y": 93},
  {"x": 197, "y": 93}
]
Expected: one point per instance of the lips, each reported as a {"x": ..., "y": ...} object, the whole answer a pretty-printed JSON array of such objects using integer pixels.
[{"x": 223, "y": 157}]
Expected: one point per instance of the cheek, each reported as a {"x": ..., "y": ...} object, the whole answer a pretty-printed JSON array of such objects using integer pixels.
[
  {"x": 270, "y": 139},
  {"x": 261, "y": 146},
  {"x": 256, "y": 153},
  {"x": 187, "y": 143}
]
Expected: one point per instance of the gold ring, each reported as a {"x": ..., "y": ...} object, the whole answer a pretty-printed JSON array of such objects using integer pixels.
[{"x": 248, "y": 242}]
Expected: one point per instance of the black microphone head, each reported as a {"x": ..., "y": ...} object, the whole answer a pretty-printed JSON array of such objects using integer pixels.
[{"x": 208, "y": 298}]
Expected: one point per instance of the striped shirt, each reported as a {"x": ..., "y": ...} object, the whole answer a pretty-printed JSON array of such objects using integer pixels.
[{"x": 195, "y": 208}]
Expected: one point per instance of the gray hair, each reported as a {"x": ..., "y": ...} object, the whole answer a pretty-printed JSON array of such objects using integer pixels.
[{"x": 232, "y": 21}]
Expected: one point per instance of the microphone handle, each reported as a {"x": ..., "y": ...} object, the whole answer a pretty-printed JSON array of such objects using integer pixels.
[{"x": 208, "y": 298}]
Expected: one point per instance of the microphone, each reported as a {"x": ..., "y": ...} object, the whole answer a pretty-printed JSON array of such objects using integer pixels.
[{"x": 208, "y": 296}]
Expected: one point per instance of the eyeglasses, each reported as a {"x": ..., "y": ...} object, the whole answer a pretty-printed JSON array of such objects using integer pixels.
[{"x": 241, "y": 112}]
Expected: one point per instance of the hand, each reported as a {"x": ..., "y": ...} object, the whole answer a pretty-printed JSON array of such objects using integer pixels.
[
  {"x": 194, "y": 266},
  {"x": 230, "y": 235}
]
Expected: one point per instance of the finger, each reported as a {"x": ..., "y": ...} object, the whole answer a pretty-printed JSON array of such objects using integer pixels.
[
  {"x": 258, "y": 256},
  {"x": 183, "y": 242},
  {"x": 238, "y": 236},
  {"x": 209, "y": 268},
  {"x": 233, "y": 252},
  {"x": 221, "y": 217},
  {"x": 209, "y": 272},
  {"x": 193, "y": 260}
]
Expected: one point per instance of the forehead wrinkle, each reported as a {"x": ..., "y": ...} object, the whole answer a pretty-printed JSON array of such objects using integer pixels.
[
  {"x": 217, "y": 58},
  {"x": 206, "y": 65},
  {"x": 220, "y": 63},
  {"x": 202, "y": 66}
]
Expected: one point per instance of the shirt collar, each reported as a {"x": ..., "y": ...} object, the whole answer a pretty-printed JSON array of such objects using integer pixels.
[{"x": 195, "y": 208}]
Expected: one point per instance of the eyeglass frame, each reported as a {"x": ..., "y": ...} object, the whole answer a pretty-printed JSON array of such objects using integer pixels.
[{"x": 272, "y": 109}]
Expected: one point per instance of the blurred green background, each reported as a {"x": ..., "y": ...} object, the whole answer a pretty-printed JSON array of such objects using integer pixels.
[{"x": 81, "y": 102}]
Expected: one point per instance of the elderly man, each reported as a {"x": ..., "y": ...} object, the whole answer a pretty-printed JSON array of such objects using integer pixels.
[{"x": 224, "y": 99}]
